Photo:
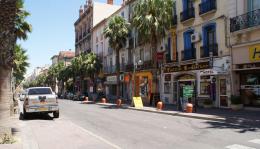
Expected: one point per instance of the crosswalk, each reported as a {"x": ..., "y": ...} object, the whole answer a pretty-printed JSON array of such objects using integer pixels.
[{"x": 253, "y": 142}]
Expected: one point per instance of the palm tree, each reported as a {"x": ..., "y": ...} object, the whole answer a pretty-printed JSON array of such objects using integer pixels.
[
  {"x": 12, "y": 18},
  {"x": 20, "y": 63},
  {"x": 117, "y": 32},
  {"x": 22, "y": 27},
  {"x": 152, "y": 19}
]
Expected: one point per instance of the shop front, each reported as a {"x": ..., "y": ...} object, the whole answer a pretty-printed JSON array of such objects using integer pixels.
[
  {"x": 142, "y": 86},
  {"x": 196, "y": 83},
  {"x": 111, "y": 86},
  {"x": 246, "y": 63}
]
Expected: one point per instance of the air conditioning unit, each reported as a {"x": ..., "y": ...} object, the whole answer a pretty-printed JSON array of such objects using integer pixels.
[{"x": 195, "y": 37}]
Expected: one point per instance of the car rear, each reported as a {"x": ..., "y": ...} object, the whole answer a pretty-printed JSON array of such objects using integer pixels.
[{"x": 41, "y": 99}]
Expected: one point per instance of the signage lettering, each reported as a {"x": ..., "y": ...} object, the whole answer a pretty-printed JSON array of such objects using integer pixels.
[
  {"x": 254, "y": 53},
  {"x": 188, "y": 67}
]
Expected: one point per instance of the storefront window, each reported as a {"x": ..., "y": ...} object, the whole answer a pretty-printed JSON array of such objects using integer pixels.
[
  {"x": 167, "y": 87},
  {"x": 205, "y": 85},
  {"x": 250, "y": 89}
]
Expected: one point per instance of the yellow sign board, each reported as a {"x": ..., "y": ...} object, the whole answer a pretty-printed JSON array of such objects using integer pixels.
[
  {"x": 254, "y": 53},
  {"x": 138, "y": 103}
]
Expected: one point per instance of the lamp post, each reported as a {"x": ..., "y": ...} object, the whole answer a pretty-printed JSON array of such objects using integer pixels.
[{"x": 135, "y": 66}]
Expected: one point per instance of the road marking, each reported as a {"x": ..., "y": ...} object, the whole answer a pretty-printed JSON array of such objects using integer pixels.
[
  {"x": 237, "y": 146},
  {"x": 257, "y": 141},
  {"x": 98, "y": 137}
]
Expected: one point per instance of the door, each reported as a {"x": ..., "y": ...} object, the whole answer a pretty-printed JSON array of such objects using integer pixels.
[
  {"x": 223, "y": 98},
  {"x": 186, "y": 93}
]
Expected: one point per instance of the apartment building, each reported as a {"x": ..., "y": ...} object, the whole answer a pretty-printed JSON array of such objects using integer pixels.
[
  {"x": 89, "y": 16},
  {"x": 245, "y": 46},
  {"x": 197, "y": 57}
]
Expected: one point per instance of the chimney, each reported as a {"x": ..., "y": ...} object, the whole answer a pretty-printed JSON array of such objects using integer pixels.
[
  {"x": 110, "y": 2},
  {"x": 80, "y": 11}
]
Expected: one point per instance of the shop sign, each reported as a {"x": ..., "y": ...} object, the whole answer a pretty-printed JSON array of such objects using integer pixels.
[
  {"x": 112, "y": 79},
  {"x": 208, "y": 72},
  {"x": 188, "y": 67},
  {"x": 138, "y": 103},
  {"x": 254, "y": 53},
  {"x": 188, "y": 91},
  {"x": 167, "y": 77},
  {"x": 160, "y": 55}
]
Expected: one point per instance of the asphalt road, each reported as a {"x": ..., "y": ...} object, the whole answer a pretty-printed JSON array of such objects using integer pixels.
[{"x": 97, "y": 126}]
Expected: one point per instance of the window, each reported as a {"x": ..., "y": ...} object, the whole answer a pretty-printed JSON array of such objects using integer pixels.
[
  {"x": 123, "y": 14},
  {"x": 167, "y": 87},
  {"x": 253, "y": 5},
  {"x": 39, "y": 91},
  {"x": 142, "y": 54},
  {"x": 187, "y": 4}
]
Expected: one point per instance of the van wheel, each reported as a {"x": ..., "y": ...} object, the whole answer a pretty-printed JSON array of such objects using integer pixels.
[{"x": 56, "y": 114}]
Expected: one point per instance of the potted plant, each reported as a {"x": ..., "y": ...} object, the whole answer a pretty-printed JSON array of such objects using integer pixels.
[
  {"x": 236, "y": 102},
  {"x": 208, "y": 103}
]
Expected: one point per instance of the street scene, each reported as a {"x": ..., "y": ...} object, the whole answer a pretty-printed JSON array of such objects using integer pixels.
[{"x": 130, "y": 74}]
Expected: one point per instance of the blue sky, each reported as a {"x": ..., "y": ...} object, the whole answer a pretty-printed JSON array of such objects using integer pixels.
[{"x": 53, "y": 29}]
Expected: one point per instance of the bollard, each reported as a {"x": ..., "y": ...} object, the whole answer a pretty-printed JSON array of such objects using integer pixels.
[
  {"x": 159, "y": 105},
  {"x": 86, "y": 98},
  {"x": 189, "y": 108},
  {"x": 119, "y": 102},
  {"x": 103, "y": 100}
]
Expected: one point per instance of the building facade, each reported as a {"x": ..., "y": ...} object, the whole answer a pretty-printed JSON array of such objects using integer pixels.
[
  {"x": 197, "y": 56},
  {"x": 245, "y": 46}
]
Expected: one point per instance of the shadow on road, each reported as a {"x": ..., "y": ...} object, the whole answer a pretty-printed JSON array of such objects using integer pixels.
[
  {"x": 37, "y": 116},
  {"x": 240, "y": 127}
]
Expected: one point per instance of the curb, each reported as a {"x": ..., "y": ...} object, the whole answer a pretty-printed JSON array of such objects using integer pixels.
[{"x": 172, "y": 113}]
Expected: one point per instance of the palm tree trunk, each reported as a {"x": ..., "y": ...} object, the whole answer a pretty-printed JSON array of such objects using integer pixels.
[
  {"x": 5, "y": 94},
  {"x": 117, "y": 73},
  {"x": 155, "y": 62}
]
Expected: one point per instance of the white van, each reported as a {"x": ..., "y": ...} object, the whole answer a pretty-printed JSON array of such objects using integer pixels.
[{"x": 39, "y": 100}]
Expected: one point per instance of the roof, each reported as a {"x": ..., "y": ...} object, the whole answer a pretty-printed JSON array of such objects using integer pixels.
[{"x": 67, "y": 54}]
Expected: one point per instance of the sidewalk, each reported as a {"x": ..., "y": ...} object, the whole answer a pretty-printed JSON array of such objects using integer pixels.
[{"x": 242, "y": 117}]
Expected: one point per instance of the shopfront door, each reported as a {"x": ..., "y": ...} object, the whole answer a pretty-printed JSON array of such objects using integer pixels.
[
  {"x": 223, "y": 97},
  {"x": 186, "y": 93}
]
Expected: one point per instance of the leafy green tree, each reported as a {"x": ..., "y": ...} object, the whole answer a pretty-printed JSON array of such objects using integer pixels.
[
  {"x": 20, "y": 63},
  {"x": 152, "y": 19},
  {"x": 117, "y": 32}
]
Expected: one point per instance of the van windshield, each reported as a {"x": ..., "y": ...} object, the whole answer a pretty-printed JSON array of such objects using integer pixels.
[{"x": 39, "y": 91}]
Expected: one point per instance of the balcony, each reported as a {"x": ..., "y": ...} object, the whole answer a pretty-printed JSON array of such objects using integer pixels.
[
  {"x": 205, "y": 50},
  {"x": 129, "y": 67},
  {"x": 207, "y": 6},
  {"x": 109, "y": 69},
  {"x": 122, "y": 67},
  {"x": 245, "y": 21},
  {"x": 174, "y": 20},
  {"x": 188, "y": 54},
  {"x": 146, "y": 65},
  {"x": 187, "y": 14}
]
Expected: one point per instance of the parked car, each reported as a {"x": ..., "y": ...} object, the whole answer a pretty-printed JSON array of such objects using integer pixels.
[
  {"x": 70, "y": 96},
  {"x": 39, "y": 100}
]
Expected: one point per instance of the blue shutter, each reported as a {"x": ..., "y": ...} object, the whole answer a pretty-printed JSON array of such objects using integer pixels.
[
  {"x": 187, "y": 44},
  {"x": 184, "y": 4}
]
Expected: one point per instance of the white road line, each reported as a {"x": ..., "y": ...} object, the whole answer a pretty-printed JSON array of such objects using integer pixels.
[
  {"x": 237, "y": 146},
  {"x": 257, "y": 141},
  {"x": 98, "y": 137}
]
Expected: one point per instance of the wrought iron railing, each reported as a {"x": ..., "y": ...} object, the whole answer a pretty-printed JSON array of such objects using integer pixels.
[
  {"x": 188, "y": 54},
  {"x": 205, "y": 50},
  {"x": 187, "y": 14},
  {"x": 250, "y": 19},
  {"x": 207, "y": 6}
]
